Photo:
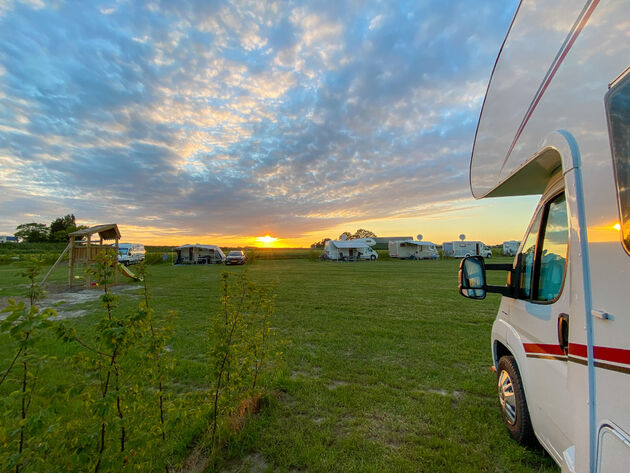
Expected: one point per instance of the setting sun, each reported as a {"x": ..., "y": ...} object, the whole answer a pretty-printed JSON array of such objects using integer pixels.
[{"x": 266, "y": 239}]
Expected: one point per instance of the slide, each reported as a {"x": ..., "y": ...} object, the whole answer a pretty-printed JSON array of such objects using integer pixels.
[{"x": 125, "y": 271}]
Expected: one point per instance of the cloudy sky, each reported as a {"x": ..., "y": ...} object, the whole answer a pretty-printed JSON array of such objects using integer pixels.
[{"x": 216, "y": 121}]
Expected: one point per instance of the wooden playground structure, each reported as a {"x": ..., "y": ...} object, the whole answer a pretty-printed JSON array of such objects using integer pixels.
[{"x": 83, "y": 250}]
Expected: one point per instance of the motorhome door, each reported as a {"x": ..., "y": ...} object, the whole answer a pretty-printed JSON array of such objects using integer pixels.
[{"x": 535, "y": 313}]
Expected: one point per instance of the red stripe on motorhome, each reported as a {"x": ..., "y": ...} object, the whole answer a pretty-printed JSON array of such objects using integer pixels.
[
  {"x": 614, "y": 355},
  {"x": 546, "y": 349}
]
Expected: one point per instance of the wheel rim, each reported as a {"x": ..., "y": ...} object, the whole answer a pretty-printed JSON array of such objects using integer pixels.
[{"x": 506, "y": 397}]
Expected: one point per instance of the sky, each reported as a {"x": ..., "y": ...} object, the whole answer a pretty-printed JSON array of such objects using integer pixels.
[{"x": 217, "y": 122}]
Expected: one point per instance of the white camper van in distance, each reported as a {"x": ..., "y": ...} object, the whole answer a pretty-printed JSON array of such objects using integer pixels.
[
  {"x": 556, "y": 122},
  {"x": 130, "y": 253},
  {"x": 350, "y": 250},
  {"x": 463, "y": 248}
]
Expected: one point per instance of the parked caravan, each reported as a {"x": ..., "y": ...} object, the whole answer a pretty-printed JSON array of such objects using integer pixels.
[
  {"x": 130, "y": 253},
  {"x": 463, "y": 248},
  {"x": 510, "y": 248},
  {"x": 199, "y": 254},
  {"x": 413, "y": 250},
  {"x": 556, "y": 122},
  {"x": 350, "y": 250}
]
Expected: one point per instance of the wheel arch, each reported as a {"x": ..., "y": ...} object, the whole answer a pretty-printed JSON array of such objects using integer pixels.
[{"x": 500, "y": 350}]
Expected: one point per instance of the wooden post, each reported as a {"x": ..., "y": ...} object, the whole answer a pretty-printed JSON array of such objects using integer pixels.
[
  {"x": 71, "y": 262},
  {"x": 88, "y": 260},
  {"x": 116, "y": 263}
]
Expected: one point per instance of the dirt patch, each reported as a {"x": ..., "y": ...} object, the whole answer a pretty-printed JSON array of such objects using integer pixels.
[
  {"x": 246, "y": 408},
  {"x": 68, "y": 300},
  {"x": 252, "y": 463},
  {"x": 65, "y": 299}
]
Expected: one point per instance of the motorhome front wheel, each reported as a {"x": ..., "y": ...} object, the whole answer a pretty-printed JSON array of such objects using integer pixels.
[{"x": 512, "y": 399}]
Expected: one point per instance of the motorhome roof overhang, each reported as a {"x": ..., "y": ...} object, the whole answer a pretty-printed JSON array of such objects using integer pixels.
[
  {"x": 532, "y": 177},
  {"x": 350, "y": 244}
]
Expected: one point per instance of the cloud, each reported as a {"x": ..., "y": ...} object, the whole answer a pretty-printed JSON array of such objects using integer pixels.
[{"x": 230, "y": 117}]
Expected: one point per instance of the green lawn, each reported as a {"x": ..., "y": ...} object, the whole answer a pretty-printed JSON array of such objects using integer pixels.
[{"x": 387, "y": 368}]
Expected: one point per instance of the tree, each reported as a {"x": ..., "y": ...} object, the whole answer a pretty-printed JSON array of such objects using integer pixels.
[
  {"x": 363, "y": 233},
  {"x": 320, "y": 244},
  {"x": 32, "y": 232},
  {"x": 60, "y": 227},
  {"x": 360, "y": 233}
]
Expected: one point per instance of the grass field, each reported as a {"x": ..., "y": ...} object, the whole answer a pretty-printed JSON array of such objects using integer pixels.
[{"x": 387, "y": 368}]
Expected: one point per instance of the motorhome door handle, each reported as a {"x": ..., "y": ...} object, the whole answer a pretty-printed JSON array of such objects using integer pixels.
[
  {"x": 601, "y": 314},
  {"x": 563, "y": 332}
]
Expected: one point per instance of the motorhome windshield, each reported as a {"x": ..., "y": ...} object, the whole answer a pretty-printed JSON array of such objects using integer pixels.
[
  {"x": 618, "y": 108},
  {"x": 123, "y": 251}
]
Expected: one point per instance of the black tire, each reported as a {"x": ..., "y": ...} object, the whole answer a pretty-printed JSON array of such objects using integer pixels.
[
  {"x": 514, "y": 410},
  {"x": 373, "y": 257}
]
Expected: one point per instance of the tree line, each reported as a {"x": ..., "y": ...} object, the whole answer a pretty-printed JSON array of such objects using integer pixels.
[{"x": 58, "y": 230}]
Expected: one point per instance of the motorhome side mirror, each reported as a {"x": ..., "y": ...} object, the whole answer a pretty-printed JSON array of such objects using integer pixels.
[{"x": 472, "y": 278}]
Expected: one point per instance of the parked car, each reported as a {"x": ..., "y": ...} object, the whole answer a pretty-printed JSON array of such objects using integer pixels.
[{"x": 236, "y": 257}]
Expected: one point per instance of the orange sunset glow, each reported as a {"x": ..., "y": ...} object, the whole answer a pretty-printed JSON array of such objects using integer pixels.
[{"x": 267, "y": 240}]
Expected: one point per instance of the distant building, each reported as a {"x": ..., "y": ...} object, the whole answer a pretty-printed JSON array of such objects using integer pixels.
[
  {"x": 8, "y": 239},
  {"x": 382, "y": 243}
]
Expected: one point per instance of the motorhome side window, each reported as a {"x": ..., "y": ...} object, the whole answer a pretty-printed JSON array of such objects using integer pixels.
[
  {"x": 543, "y": 260},
  {"x": 618, "y": 109}
]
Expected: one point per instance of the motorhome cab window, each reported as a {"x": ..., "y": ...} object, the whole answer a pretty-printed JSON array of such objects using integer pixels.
[
  {"x": 527, "y": 259},
  {"x": 543, "y": 260},
  {"x": 618, "y": 109},
  {"x": 553, "y": 255}
]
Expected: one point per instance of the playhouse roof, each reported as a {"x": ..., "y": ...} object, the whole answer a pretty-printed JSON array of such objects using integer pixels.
[{"x": 106, "y": 232}]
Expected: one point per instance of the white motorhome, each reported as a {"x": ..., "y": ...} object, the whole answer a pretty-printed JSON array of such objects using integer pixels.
[
  {"x": 130, "y": 253},
  {"x": 412, "y": 249},
  {"x": 350, "y": 250},
  {"x": 556, "y": 122},
  {"x": 463, "y": 248},
  {"x": 510, "y": 247}
]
